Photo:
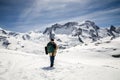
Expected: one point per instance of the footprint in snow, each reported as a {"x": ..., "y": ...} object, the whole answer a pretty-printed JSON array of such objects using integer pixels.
[{"x": 110, "y": 66}]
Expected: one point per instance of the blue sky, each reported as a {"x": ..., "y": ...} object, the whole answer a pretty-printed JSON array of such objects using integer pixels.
[{"x": 26, "y": 15}]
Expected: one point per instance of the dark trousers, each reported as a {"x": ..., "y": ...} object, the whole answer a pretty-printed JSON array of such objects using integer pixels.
[{"x": 52, "y": 58}]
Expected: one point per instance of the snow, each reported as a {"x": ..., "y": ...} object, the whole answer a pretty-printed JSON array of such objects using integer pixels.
[{"x": 81, "y": 62}]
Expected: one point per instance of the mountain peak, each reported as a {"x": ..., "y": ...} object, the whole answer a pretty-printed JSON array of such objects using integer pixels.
[
  {"x": 70, "y": 24},
  {"x": 88, "y": 21}
]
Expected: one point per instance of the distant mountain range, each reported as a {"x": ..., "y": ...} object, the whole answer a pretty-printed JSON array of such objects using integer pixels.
[
  {"x": 87, "y": 29},
  {"x": 81, "y": 31}
]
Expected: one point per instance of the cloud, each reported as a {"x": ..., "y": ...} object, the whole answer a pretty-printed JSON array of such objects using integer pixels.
[
  {"x": 58, "y": 7},
  {"x": 103, "y": 16},
  {"x": 39, "y": 7},
  {"x": 42, "y": 12}
]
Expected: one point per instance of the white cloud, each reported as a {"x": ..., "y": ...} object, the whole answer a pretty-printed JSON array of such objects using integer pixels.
[
  {"x": 38, "y": 6},
  {"x": 98, "y": 16},
  {"x": 58, "y": 8}
]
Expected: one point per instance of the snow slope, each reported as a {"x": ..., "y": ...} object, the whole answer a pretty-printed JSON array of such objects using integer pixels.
[{"x": 81, "y": 62}]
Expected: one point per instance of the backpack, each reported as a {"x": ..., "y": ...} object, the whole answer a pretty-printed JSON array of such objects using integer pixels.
[{"x": 51, "y": 46}]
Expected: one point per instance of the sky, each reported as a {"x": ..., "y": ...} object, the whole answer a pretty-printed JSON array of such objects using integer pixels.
[{"x": 27, "y": 15}]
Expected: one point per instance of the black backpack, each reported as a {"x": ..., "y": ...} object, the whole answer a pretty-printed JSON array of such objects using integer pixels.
[{"x": 51, "y": 46}]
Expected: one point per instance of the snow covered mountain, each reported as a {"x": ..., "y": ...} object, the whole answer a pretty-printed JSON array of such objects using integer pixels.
[
  {"x": 87, "y": 29},
  {"x": 22, "y": 41},
  {"x": 67, "y": 35}
]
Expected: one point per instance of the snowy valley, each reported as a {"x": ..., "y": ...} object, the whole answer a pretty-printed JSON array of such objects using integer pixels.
[{"x": 86, "y": 52}]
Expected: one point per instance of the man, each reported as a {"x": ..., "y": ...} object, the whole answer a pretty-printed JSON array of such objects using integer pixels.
[{"x": 52, "y": 50}]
